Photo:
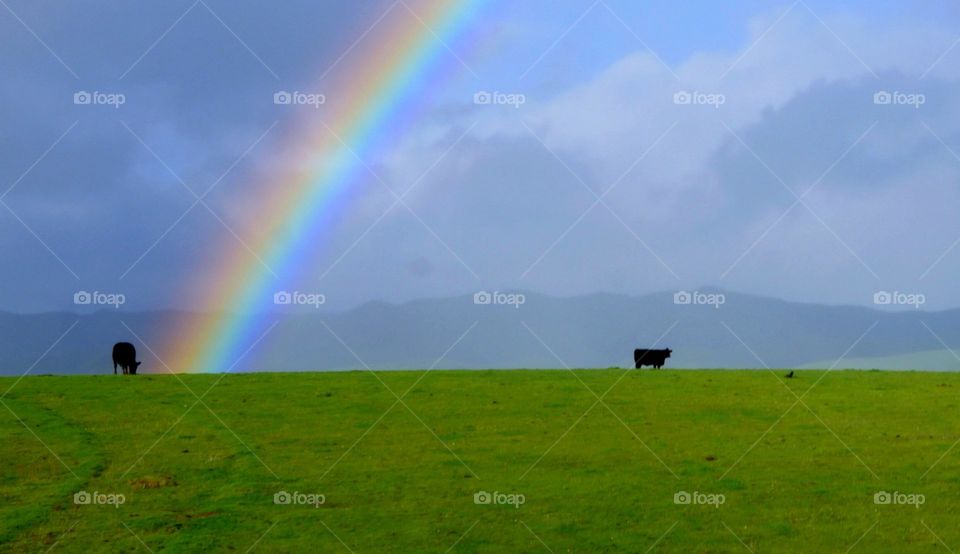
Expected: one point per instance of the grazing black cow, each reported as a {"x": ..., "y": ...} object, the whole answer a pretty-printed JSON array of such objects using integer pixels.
[
  {"x": 790, "y": 375},
  {"x": 655, "y": 358},
  {"x": 125, "y": 355}
]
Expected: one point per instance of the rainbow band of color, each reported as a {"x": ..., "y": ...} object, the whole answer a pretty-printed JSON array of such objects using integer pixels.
[{"x": 395, "y": 69}]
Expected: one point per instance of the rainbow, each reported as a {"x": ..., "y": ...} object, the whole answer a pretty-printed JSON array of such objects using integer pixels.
[{"x": 389, "y": 69}]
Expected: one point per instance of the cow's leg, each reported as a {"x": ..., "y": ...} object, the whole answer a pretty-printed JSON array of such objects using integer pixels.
[{"x": 114, "y": 368}]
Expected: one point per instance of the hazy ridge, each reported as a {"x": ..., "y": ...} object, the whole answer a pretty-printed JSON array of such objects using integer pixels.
[{"x": 598, "y": 330}]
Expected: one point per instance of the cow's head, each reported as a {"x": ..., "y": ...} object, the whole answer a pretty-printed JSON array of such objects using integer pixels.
[
  {"x": 668, "y": 353},
  {"x": 133, "y": 370}
]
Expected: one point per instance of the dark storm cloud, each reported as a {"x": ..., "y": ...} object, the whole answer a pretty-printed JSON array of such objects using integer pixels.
[{"x": 197, "y": 82}]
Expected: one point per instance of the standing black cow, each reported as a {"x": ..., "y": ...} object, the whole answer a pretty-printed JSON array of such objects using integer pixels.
[
  {"x": 655, "y": 358},
  {"x": 125, "y": 355}
]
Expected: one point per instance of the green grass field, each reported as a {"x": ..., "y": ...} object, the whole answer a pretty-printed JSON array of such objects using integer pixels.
[{"x": 595, "y": 476}]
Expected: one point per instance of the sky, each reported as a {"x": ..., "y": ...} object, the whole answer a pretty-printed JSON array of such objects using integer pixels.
[{"x": 805, "y": 150}]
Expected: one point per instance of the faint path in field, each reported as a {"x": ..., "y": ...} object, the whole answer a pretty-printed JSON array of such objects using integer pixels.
[{"x": 40, "y": 510}]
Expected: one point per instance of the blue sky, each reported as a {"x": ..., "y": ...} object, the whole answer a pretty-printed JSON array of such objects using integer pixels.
[{"x": 92, "y": 198}]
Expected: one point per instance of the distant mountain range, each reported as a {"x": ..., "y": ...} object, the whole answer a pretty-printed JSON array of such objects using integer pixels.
[{"x": 598, "y": 330}]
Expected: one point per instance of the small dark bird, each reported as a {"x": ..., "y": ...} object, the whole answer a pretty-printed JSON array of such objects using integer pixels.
[{"x": 790, "y": 375}]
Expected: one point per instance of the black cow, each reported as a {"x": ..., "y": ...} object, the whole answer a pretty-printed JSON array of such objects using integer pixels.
[
  {"x": 655, "y": 358},
  {"x": 125, "y": 355}
]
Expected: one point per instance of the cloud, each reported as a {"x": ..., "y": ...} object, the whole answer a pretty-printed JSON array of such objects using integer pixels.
[
  {"x": 801, "y": 102},
  {"x": 504, "y": 206}
]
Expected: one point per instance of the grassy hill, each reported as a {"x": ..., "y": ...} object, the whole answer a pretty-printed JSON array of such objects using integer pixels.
[
  {"x": 930, "y": 360},
  {"x": 202, "y": 475}
]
